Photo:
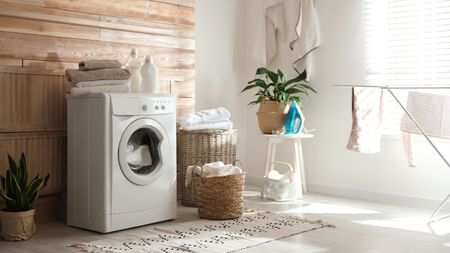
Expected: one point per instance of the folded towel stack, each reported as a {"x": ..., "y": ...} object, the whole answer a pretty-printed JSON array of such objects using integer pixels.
[
  {"x": 216, "y": 169},
  {"x": 93, "y": 76},
  {"x": 215, "y": 119}
]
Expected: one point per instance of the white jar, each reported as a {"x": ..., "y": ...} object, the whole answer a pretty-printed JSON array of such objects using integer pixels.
[
  {"x": 134, "y": 65},
  {"x": 149, "y": 74}
]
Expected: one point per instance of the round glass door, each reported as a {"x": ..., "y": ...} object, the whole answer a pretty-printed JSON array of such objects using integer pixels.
[{"x": 142, "y": 148}]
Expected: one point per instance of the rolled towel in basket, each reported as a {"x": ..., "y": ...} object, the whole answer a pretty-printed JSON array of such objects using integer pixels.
[
  {"x": 99, "y": 64},
  {"x": 216, "y": 169}
]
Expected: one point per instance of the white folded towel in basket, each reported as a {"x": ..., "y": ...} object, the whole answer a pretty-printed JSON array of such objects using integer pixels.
[
  {"x": 205, "y": 116},
  {"x": 216, "y": 169}
]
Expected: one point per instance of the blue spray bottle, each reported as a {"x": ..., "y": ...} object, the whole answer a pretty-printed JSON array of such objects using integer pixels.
[{"x": 294, "y": 120}]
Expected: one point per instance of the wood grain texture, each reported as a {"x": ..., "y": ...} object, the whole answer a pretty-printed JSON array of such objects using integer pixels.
[
  {"x": 133, "y": 25},
  {"x": 37, "y": 47},
  {"x": 18, "y": 6},
  {"x": 30, "y": 102},
  {"x": 18, "y": 25},
  {"x": 146, "y": 39},
  {"x": 39, "y": 39},
  {"x": 138, "y": 9},
  {"x": 45, "y": 153},
  {"x": 31, "y": 2},
  {"x": 49, "y": 208},
  {"x": 51, "y": 65},
  {"x": 189, "y": 3},
  {"x": 183, "y": 89},
  {"x": 10, "y": 62},
  {"x": 185, "y": 106},
  {"x": 113, "y": 23}
]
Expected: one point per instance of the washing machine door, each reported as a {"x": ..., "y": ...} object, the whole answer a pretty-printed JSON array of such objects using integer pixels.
[{"x": 142, "y": 148}]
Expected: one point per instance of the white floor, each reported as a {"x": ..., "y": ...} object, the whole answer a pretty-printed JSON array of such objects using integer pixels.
[{"x": 361, "y": 227}]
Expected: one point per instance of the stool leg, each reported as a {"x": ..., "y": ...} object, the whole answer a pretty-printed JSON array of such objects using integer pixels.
[
  {"x": 269, "y": 158},
  {"x": 297, "y": 167},
  {"x": 302, "y": 167}
]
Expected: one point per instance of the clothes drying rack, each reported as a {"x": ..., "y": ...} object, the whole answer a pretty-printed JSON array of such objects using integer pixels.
[{"x": 434, "y": 216}]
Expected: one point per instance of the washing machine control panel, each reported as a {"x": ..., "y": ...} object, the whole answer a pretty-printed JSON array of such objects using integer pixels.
[{"x": 156, "y": 105}]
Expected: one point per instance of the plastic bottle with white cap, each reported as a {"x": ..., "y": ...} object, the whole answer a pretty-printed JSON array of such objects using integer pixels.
[
  {"x": 134, "y": 65},
  {"x": 150, "y": 75}
]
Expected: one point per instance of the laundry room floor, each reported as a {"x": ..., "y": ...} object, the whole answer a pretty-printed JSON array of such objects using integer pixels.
[{"x": 361, "y": 226}]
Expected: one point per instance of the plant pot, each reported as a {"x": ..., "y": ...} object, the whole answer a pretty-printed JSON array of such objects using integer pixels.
[
  {"x": 17, "y": 226},
  {"x": 271, "y": 116}
]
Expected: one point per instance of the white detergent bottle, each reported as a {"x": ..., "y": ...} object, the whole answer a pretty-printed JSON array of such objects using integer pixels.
[
  {"x": 134, "y": 65},
  {"x": 149, "y": 74}
]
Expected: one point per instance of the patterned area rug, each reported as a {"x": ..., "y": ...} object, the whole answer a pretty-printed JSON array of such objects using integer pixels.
[{"x": 200, "y": 236}]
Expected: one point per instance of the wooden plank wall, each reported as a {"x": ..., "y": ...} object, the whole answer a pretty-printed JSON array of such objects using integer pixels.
[{"x": 39, "y": 39}]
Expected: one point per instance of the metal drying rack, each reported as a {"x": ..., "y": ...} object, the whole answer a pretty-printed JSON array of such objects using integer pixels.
[{"x": 434, "y": 216}]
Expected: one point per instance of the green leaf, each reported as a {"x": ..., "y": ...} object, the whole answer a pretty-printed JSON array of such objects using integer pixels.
[
  {"x": 3, "y": 182},
  {"x": 281, "y": 75},
  {"x": 309, "y": 88},
  {"x": 9, "y": 202},
  {"x": 12, "y": 165},
  {"x": 294, "y": 91},
  {"x": 248, "y": 87},
  {"x": 23, "y": 172},
  {"x": 299, "y": 78},
  {"x": 272, "y": 75},
  {"x": 255, "y": 80}
]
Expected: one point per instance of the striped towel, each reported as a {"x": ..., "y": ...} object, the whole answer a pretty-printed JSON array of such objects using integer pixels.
[{"x": 432, "y": 113}]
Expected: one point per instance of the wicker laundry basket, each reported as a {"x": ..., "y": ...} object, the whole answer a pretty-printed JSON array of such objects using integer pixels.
[
  {"x": 220, "y": 198},
  {"x": 198, "y": 148}
]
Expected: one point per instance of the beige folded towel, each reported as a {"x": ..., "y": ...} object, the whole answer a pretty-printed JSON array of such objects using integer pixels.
[
  {"x": 76, "y": 91},
  {"x": 75, "y": 76},
  {"x": 102, "y": 83},
  {"x": 99, "y": 64}
]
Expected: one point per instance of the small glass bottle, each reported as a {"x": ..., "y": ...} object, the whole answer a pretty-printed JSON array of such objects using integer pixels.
[{"x": 134, "y": 65}]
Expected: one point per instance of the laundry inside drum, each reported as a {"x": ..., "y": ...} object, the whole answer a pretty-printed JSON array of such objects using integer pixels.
[{"x": 143, "y": 151}]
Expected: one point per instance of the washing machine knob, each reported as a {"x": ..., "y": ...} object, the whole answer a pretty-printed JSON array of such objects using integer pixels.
[
  {"x": 163, "y": 107},
  {"x": 144, "y": 107},
  {"x": 156, "y": 107}
]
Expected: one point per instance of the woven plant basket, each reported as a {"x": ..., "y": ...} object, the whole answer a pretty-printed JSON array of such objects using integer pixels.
[
  {"x": 220, "y": 198},
  {"x": 198, "y": 148}
]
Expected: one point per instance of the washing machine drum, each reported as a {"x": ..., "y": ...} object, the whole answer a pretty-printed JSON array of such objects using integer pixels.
[{"x": 142, "y": 149}]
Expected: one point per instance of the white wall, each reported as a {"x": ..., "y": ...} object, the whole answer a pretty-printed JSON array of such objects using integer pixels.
[{"x": 228, "y": 33}]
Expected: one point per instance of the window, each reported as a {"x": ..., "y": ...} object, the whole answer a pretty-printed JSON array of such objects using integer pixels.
[{"x": 407, "y": 43}]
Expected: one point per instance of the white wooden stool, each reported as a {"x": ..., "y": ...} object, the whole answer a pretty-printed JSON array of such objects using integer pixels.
[{"x": 298, "y": 155}]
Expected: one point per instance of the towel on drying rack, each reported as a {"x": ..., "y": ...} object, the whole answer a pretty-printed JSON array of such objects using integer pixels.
[
  {"x": 367, "y": 107},
  {"x": 431, "y": 112}
]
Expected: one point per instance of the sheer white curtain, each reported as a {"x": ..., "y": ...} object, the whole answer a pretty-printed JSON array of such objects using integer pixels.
[{"x": 407, "y": 43}]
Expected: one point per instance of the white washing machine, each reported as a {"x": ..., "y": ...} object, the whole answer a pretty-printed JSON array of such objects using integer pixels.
[{"x": 121, "y": 160}]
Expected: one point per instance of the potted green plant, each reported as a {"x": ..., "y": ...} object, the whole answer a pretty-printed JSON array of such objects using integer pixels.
[
  {"x": 275, "y": 91},
  {"x": 19, "y": 195}
]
